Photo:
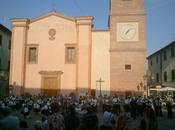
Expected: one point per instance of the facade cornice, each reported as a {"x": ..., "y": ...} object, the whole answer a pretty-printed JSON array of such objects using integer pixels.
[
  {"x": 70, "y": 44},
  {"x": 50, "y": 72},
  {"x": 128, "y": 14},
  {"x": 101, "y": 30},
  {"x": 84, "y": 18},
  {"x": 19, "y": 26},
  {"x": 53, "y": 13},
  {"x": 33, "y": 44},
  {"x": 127, "y": 50},
  {"x": 86, "y": 23},
  {"x": 20, "y": 20}
]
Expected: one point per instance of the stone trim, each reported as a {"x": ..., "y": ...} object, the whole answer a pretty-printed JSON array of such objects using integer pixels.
[
  {"x": 101, "y": 30},
  {"x": 19, "y": 26},
  {"x": 51, "y": 72},
  {"x": 85, "y": 23},
  {"x": 84, "y": 18},
  {"x": 50, "y": 14},
  {"x": 11, "y": 58},
  {"x": 90, "y": 60},
  {"x": 27, "y": 53},
  {"x": 67, "y": 45},
  {"x": 127, "y": 50},
  {"x": 127, "y": 14},
  {"x": 19, "y": 20}
]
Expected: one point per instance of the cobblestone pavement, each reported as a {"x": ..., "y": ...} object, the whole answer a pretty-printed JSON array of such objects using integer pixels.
[{"x": 163, "y": 122}]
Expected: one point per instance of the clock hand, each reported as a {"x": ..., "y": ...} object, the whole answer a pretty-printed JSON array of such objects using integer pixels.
[{"x": 128, "y": 31}]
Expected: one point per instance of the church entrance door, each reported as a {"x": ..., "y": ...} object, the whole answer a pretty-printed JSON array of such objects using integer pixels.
[
  {"x": 51, "y": 87},
  {"x": 50, "y": 82}
]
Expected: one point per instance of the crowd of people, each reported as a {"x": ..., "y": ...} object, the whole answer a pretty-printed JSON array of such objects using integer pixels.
[{"x": 72, "y": 113}]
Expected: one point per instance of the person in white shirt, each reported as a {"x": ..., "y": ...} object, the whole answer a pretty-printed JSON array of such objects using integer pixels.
[
  {"x": 116, "y": 105},
  {"x": 94, "y": 103},
  {"x": 25, "y": 111},
  {"x": 127, "y": 107}
]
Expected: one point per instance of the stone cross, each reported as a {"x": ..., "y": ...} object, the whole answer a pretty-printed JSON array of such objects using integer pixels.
[{"x": 100, "y": 81}]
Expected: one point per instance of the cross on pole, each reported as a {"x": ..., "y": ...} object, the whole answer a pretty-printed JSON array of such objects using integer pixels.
[
  {"x": 100, "y": 81},
  {"x": 53, "y": 6}
]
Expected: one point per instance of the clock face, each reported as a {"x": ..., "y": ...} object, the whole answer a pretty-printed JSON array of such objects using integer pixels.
[{"x": 127, "y": 32}]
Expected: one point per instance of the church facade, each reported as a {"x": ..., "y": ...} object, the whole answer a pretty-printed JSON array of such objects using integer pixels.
[{"x": 54, "y": 54}]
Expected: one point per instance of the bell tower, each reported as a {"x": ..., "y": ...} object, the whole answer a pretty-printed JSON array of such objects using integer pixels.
[
  {"x": 127, "y": 46},
  {"x": 126, "y": 6}
]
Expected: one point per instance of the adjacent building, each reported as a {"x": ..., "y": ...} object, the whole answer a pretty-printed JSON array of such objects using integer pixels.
[
  {"x": 54, "y": 53},
  {"x": 161, "y": 66},
  {"x": 5, "y": 45}
]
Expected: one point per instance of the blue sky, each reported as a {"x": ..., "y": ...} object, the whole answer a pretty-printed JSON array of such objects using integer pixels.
[{"x": 160, "y": 20}]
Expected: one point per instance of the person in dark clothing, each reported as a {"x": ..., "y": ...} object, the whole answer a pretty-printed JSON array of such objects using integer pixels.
[
  {"x": 133, "y": 105},
  {"x": 152, "y": 120},
  {"x": 121, "y": 123},
  {"x": 89, "y": 121},
  {"x": 9, "y": 122},
  {"x": 103, "y": 127},
  {"x": 158, "y": 106},
  {"x": 142, "y": 125},
  {"x": 71, "y": 120},
  {"x": 23, "y": 125},
  {"x": 169, "y": 109}
]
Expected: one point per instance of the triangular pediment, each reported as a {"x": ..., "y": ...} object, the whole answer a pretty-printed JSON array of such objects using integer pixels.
[{"x": 52, "y": 13}]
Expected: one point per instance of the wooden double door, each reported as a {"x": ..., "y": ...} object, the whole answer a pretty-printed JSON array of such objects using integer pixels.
[{"x": 51, "y": 86}]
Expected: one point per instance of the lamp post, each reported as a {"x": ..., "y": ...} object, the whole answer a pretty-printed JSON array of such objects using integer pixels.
[{"x": 149, "y": 79}]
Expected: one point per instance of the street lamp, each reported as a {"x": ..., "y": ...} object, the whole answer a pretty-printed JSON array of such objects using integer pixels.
[{"x": 149, "y": 79}]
